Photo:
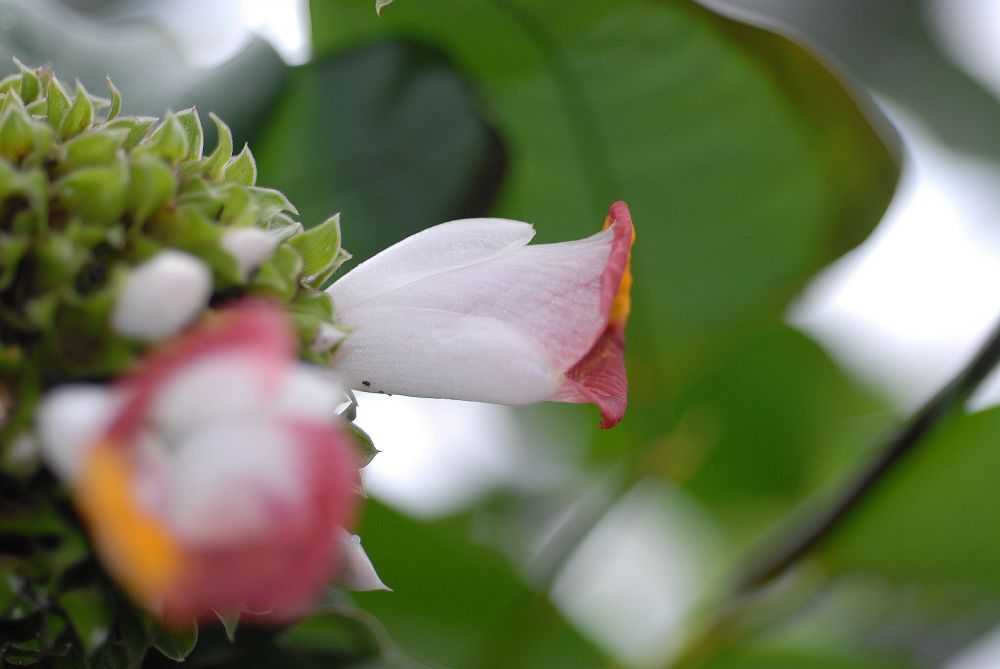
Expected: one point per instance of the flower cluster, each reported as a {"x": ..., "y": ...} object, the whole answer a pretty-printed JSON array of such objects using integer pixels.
[{"x": 169, "y": 352}]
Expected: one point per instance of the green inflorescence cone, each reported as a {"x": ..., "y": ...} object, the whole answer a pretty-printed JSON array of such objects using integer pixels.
[{"x": 85, "y": 194}]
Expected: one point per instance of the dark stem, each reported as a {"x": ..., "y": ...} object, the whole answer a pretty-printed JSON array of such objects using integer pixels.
[{"x": 802, "y": 539}]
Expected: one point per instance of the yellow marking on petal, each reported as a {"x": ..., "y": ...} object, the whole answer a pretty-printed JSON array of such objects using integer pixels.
[
  {"x": 622, "y": 305},
  {"x": 136, "y": 546}
]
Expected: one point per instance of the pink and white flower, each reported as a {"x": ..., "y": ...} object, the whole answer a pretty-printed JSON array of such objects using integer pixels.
[
  {"x": 214, "y": 477},
  {"x": 467, "y": 310}
]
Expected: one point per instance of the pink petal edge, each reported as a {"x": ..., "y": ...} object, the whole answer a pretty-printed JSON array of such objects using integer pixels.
[{"x": 599, "y": 377}]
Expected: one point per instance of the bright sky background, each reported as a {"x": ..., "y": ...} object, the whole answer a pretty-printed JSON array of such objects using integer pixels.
[{"x": 222, "y": 28}]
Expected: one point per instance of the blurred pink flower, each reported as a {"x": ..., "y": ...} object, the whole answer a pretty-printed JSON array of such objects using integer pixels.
[
  {"x": 467, "y": 310},
  {"x": 214, "y": 476}
]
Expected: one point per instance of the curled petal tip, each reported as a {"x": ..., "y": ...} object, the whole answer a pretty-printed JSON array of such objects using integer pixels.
[
  {"x": 356, "y": 570},
  {"x": 599, "y": 377}
]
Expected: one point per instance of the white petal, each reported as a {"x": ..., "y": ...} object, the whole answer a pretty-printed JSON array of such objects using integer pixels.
[
  {"x": 217, "y": 388},
  {"x": 228, "y": 478},
  {"x": 69, "y": 420},
  {"x": 432, "y": 251},
  {"x": 435, "y": 353},
  {"x": 356, "y": 570},
  {"x": 502, "y": 329},
  {"x": 162, "y": 295},
  {"x": 310, "y": 393},
  {"x": 551, "y": 293},
  {"x": 249, "y": 246}
]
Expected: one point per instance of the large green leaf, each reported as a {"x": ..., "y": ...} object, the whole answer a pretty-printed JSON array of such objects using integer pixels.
[
  {"x": 747, "y": 165},
  {"x": 389, "y": 136},
  {"x": 765, "y": 426}
]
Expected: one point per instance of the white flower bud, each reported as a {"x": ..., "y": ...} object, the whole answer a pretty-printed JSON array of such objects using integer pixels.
[
  {"x": 161, "y": 296},
  {"x": 249, "y": 246}
]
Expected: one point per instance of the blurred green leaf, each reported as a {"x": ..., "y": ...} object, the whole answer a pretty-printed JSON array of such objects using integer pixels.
[
  {"x": 151, "y": 184},
  {"x": 343, "y": 632},
  {"x": 278, "y": 276},
  {"x": 91, "y": 148},
  {"x": 169, "y": 140},
  {"x": 90, "y": 614},
  {"x": 793, "y": 657},
  {"x": 95, "y": 193},
  {"x": 764, "y": 427},
  {"x": 459, "y": 604},
  {"x": 337, "y": 637},
  {"x": 177, "y": 643},
  {"x": 134, "y": 635},
  {"x": 389, "y": 135}
]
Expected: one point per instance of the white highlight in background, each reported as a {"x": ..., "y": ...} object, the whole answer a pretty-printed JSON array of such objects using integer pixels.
[
  {"x": 968, "y": 30},
  {"x": 442, "y": 455},
  {"x": 633, "y": 581},
  {"x": 212, "y": 33},
  {"x": 907, "y": 309},
  {"x": 983, "y": 653},
  {"x": 283, "y": 23}
]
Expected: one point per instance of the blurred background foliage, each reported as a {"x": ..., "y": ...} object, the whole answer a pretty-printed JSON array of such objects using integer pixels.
[{"x": 749, "y": 165}]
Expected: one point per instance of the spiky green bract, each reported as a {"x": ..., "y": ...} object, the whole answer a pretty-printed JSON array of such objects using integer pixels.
[{"x": 85, "y": 194}]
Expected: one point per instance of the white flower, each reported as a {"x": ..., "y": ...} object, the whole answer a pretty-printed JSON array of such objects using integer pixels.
[{"x": 467, "y": 310}]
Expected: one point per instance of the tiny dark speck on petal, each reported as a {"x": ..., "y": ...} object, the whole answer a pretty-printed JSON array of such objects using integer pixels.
[{"x": 366, "y": 384}]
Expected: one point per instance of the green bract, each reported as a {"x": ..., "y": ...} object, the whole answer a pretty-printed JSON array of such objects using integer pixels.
[{"x": 84, "y": 195}]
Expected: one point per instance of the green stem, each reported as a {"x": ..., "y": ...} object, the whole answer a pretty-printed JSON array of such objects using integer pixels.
[{"x": 816, "y": 528}]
